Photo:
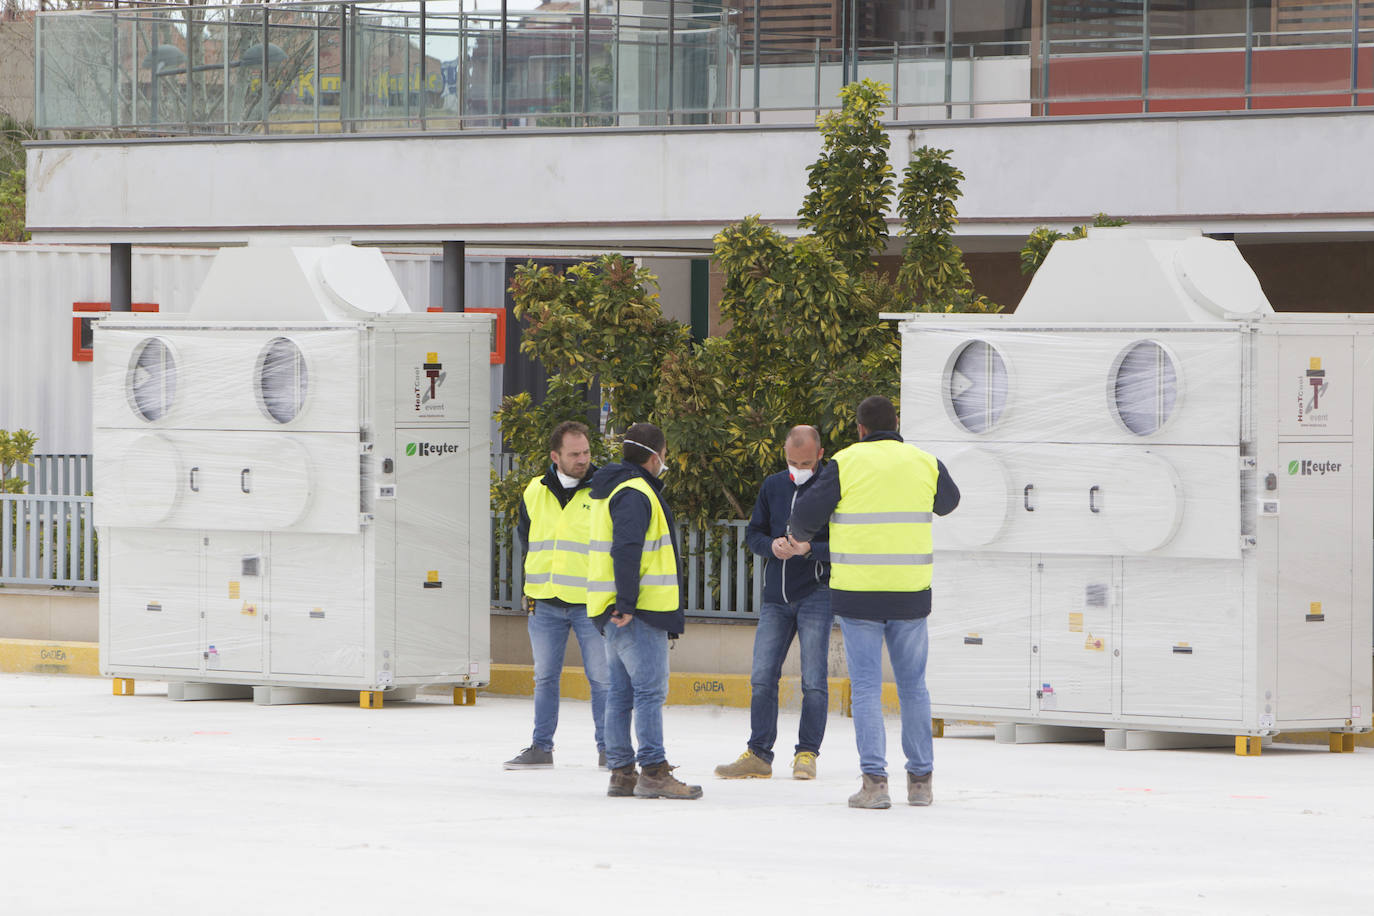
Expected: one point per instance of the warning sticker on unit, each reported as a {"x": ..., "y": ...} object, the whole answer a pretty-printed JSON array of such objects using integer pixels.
[
  {"x": 1076, "y": 623},
  {"x": 1314, "y": 612},
  {"x": 233, "y": 589},
  {"x": 1095, "y": 643},
  {"x": 249, "y": 610}
]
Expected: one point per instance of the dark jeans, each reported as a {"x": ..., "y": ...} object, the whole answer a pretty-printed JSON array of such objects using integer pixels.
[{"x": 809, "y": 618}]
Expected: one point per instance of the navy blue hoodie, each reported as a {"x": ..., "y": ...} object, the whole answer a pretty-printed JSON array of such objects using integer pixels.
[
  {"x": 792, "y": 579},
  {"x": 630, "y": 515},
  {"x": 813, "y": 510}
]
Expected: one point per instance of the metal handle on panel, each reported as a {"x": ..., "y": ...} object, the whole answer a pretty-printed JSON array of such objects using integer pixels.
[
  {"x": 1092, "y": 499},
  {"x": 195, "y": 487},
  {"x": 243, "y": 480},
  {"x": 1025, "y": 497}
]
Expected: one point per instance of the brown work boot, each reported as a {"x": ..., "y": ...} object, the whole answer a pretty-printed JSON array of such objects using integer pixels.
[
  {"x": 748, "y": 766},
  {"x": 623, "y": 782},
  {"x": 657, "y": 781},
  {"x": 918, "y": 789},
  {"x": 873, "y": 793}
]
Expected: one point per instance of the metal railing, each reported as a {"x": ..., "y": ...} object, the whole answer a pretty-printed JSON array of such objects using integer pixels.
[
  {"x": 722, "y": 577},
  {"x": 57, "y": 475},
  {"x": 47, "y": 540},
  {"x": 354, "y": 66}
]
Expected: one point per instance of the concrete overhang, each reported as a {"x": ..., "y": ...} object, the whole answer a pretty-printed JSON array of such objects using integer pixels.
[{"x": 1261, "y": 176}]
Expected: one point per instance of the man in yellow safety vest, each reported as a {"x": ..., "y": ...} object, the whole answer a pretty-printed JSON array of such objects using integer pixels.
[
  {"x": 633, "y": 595},
  {"x": 878, "y": 496},
  {"x": 555, "y": 527}
]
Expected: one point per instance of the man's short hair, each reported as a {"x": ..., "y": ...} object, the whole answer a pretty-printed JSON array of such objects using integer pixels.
[
  {"x": 804, "y": 433},
  {"x": 877, "y": 414},
  {"x": 650, "y": 439},
  {"x": 562, "y": 429}
]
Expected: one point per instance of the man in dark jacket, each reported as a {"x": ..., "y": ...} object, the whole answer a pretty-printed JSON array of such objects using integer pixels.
[
  {"x": 633, "y": 595},
  {"x": 796, "y": 603},
  {"x": 878, "y": 497}
]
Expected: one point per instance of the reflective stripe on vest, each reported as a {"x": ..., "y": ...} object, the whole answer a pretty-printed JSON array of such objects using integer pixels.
[
  {"x": 658, "y": 579},
  {"x": 559, "y": 545},
  {"x": 880, "y": 530}
]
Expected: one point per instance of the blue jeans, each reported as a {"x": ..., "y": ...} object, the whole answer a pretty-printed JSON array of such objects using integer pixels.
[
  {"x": 638, "y": 657},
  {"x": 549, "y": 626},
  {"x": 907, "y": 646},
  {"x": 811, "y": 620}
]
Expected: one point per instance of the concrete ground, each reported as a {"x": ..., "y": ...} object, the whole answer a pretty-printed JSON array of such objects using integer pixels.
[{"x": 139, "y": 805}]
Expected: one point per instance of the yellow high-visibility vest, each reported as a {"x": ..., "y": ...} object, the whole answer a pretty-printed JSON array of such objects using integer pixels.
[
  {"x": 658, "y": 580},
  {"x": 880, "y": 529},
  {"x": 560, "y": 542}
]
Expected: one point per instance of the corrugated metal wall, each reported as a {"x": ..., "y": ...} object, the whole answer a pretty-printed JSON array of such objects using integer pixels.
[{"x": 44, "y": 390}]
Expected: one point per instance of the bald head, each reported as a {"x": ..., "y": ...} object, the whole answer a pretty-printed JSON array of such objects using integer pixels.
[{"x": 803, "y": 447}]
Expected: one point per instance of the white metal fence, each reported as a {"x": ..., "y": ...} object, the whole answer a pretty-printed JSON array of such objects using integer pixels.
[
  {"x": 57, "y": 475},
  {"x": 722, "y": 577},
  {"x": 47, "y": 540}
]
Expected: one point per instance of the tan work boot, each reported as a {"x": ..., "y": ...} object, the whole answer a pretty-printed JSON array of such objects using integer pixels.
[
  {"x": 657, "y": 781},
  {"x": 804, "y": 765},
  {"x": 623, "y": 782},
  {"x": 873, "y": 793},
  {"x": 918, "y": 789},
  {"x": 748, "y": 766}
]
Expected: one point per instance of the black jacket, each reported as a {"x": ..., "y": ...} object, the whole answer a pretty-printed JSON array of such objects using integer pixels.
[
  {"x": 630, "y": 515},
  {"x": 563, "y": 494},
  {"x": 792, "y": 579},
  {"x": 813, "y": 510}
]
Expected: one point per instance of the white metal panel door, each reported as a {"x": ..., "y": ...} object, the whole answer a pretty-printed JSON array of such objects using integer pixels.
[
  {"x": 980, "y": 631},
  {"x": 319, "y": 596},
  {"x": 1182, "y": 635},
  {"x": 234, "y": 601},
  {"x": 1315, "y": 580},
  {"x": 434, "y": 523},
  {"x": 153, "y": 580},
  {"x": 1077, "y": 608}
]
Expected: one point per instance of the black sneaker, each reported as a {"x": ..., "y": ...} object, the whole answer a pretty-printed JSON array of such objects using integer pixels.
[{"x": 531, "y": 758}]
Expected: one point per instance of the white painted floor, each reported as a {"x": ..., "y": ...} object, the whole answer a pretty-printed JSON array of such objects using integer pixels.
[{"x": 139, "y": 805}]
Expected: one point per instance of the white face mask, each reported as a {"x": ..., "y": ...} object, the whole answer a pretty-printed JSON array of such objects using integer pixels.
[
  {"x": 800, "y": 475},
  {"x": 567, "y": 482},
  {"x": 662, "y": 468}
]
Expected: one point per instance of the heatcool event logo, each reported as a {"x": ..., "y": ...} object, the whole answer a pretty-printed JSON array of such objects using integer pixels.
[
  {"x": 1307, "y": 467},
  {"x": 428, "y": 449}
]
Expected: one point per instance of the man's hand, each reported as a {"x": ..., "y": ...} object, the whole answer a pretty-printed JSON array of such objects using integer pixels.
[
  {"x": 782, "y": 548},
  {"x": 621, "y": 619},
  {"x": 799, "y": 548}
]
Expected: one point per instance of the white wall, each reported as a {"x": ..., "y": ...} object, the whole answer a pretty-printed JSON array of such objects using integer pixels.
[{"x": 1265, "y": 173}]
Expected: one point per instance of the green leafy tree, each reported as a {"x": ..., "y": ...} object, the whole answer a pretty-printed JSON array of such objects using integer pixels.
[
  {"x": 933, "y": 273},
  {"x": 804, "y": 340},
  {"x": 851, "y": 183},
  {"x": 16, "y": 448},
  {"x": 1042, "y": 238},
  {"x": 12, "y": 136}
]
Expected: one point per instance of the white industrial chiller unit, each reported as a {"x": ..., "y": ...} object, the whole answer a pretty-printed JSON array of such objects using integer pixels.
[
  {"x": 291, "y": 485},
  {"x": 1168, "y": 494}
]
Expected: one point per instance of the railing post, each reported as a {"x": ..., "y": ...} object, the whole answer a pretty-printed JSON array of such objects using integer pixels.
[
  {"x": 424, "y": 57},
  {"x": 1354, "y": 52},
  {"x": 1145, "y": 56},
  {"x": 896, "y": 75},
  {"x": 818, "y": 77},
  {"x": 505, "y": 13},
  {"x": 672, "y": 24},
  {"x": 949, "y": 60},
  {"x": 1249, "y": 51},
  {"x": 265, "y": 62},
  {"x": 586, "y": 62},
  {"x": 114, "y": 66},
  {"x": 757, "y": 69}
]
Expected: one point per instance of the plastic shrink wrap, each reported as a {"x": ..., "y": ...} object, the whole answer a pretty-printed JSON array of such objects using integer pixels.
[
  {"x": 1167, "y": 508},
  {"x": 291, "y": 482}
]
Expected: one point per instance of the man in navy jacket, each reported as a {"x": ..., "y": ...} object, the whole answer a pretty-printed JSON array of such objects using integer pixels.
[{"x": 796, "y": 603}]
